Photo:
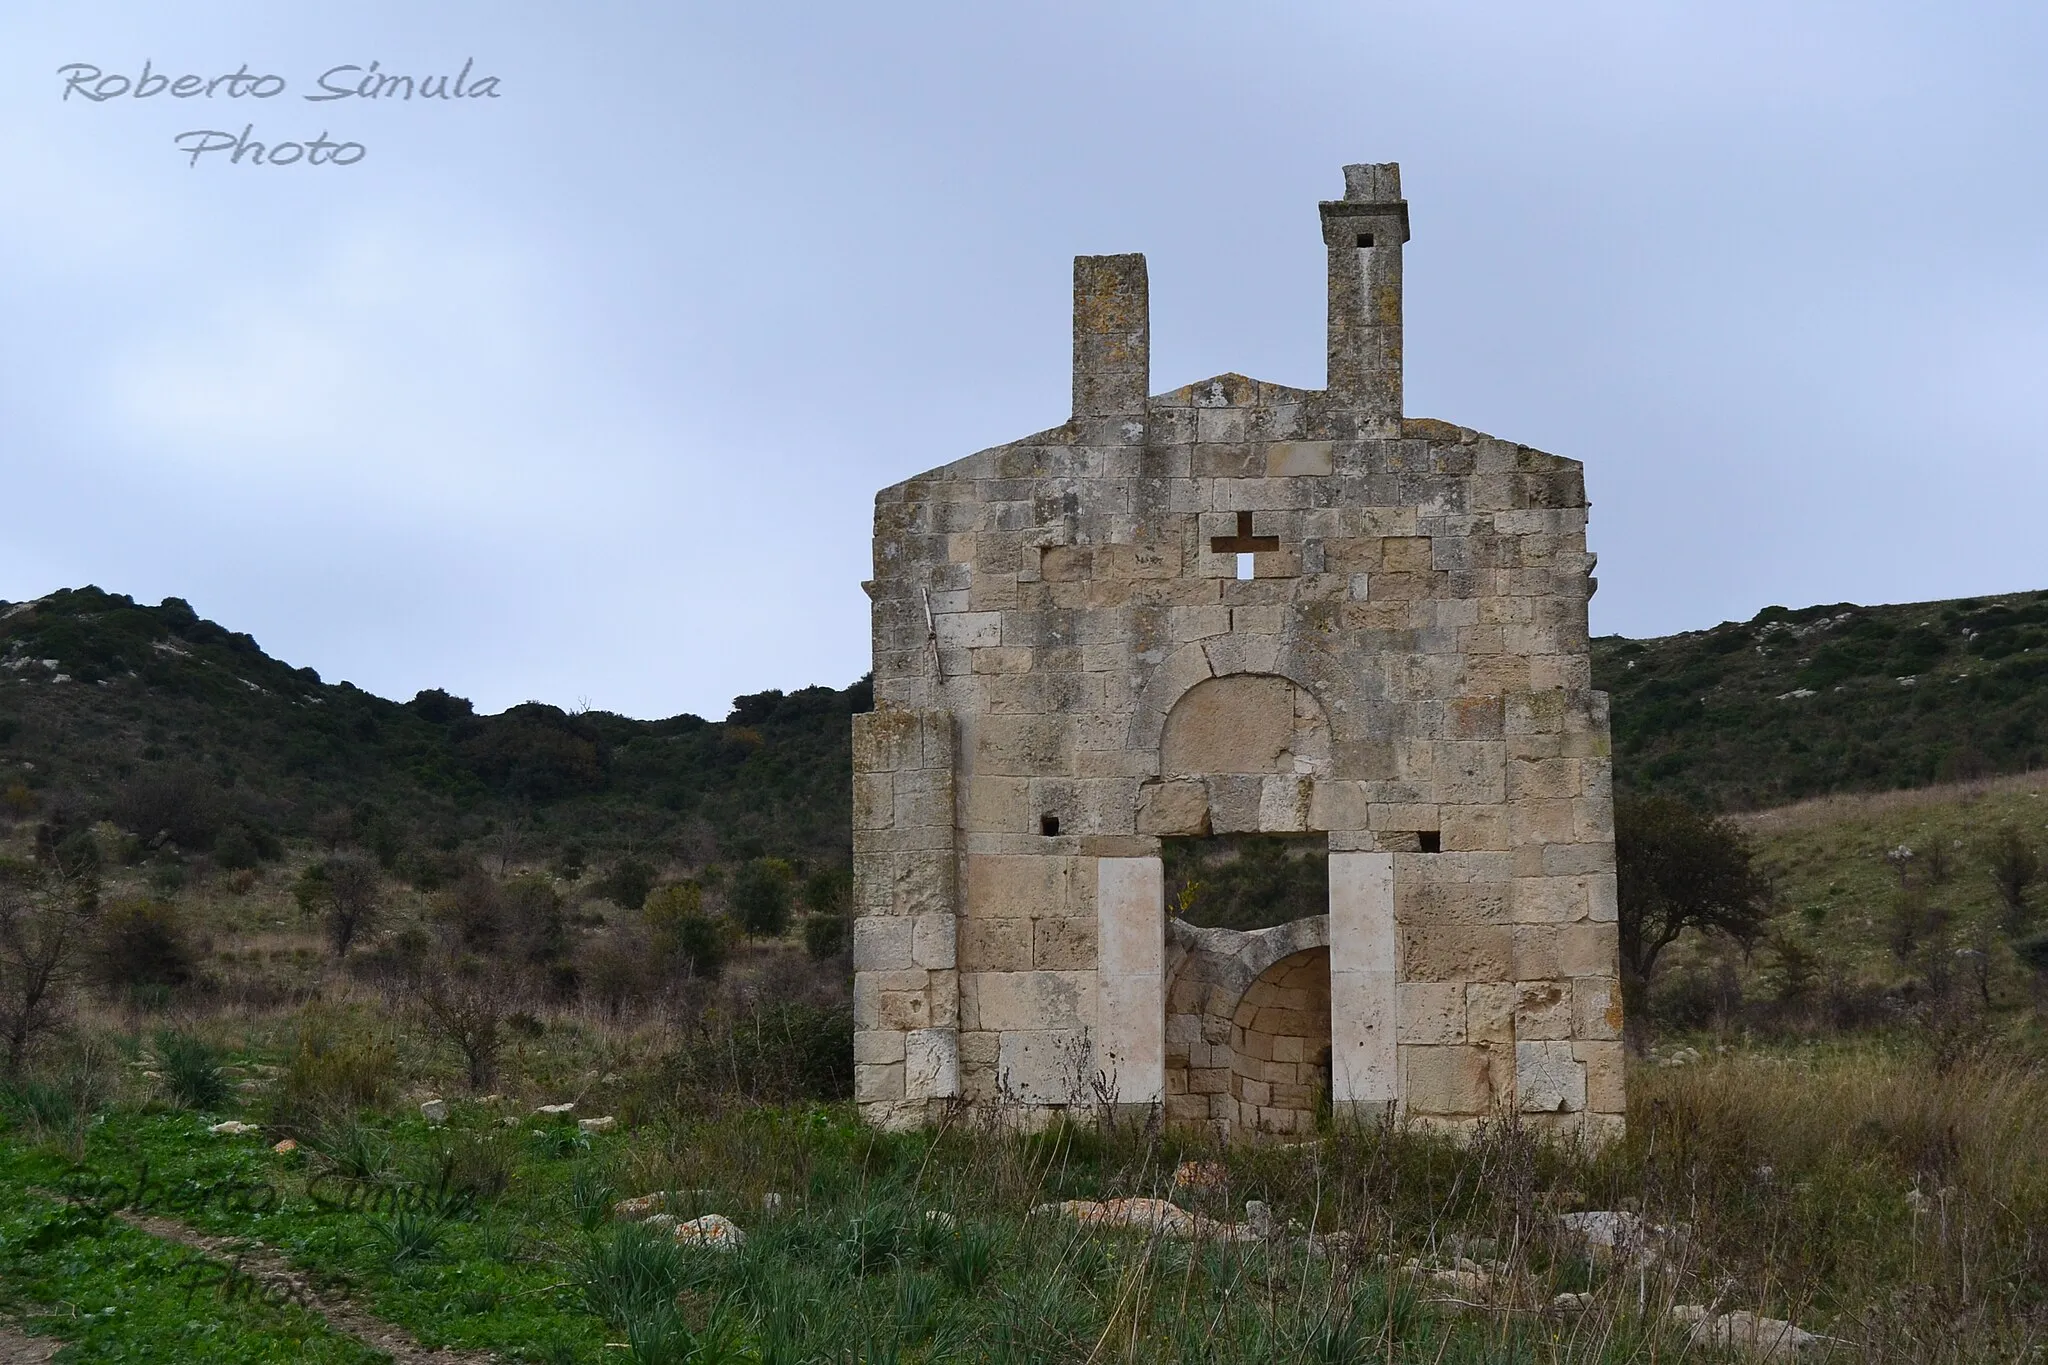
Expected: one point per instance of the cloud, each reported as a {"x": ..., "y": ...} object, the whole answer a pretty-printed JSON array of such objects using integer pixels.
[{"x": 420, "y": 374}]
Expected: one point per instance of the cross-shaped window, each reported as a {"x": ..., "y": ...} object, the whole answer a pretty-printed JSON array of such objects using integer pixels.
[{"x": 1244, "y": 544}]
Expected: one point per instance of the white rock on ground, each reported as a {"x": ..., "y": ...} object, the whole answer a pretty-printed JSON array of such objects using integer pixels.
[
  {"x": 713, "y": 1231},
  {"x": 1768, "y": 1340},
  {"x": 1618, "y": 1235},
  {"x": 598, "y": 1125},
  {"x": 640, "y": 1206},
  {"x": 553, "y": 1111},
  {"x": 232, "y": 1128},
  {"x": 434, "y": 1111},
  {"x": 1149, "y": 1215}
]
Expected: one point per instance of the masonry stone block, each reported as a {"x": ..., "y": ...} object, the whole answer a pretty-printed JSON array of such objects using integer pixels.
[
  {"x": 1432, "y": 1012},
  {"x": 1548, "y": 1078},
  {"x": 931, "y": 1065},
  {"x": 1596, "y": 1008},
  {"x": 1543, "y": 1010},
  {"x": 1450, "y": 1080}
]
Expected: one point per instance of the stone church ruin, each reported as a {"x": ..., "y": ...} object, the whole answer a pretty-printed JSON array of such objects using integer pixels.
[{"x": 1239, "y": 609}]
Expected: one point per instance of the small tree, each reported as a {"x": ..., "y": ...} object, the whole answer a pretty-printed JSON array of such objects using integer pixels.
[
  {"x": 354, "y": 897},
  {"x": 760, "y": 896},
  {"x": 46, "y": 924},
  {"x": 682, "y": 932},
  {"x": 143, "y": 943},
  {"x": 1678, "y": 869},
  {"x": 465, "y": 1003},
  {"x": 627, "y": 884},
  {"x": 2015, "y": 866}
]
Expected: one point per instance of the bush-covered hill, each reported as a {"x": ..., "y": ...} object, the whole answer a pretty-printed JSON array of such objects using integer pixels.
[
  {"x": 164, "y": 721},
  {"x": 1838, "y": 698},
  {"x": 155, "y": 717}
]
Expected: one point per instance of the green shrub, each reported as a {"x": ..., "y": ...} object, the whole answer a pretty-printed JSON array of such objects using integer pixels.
[
  {"x": 627, "y": 884},
  {"x": 17, "y": 802},
  {"x": 235, "y": 849},
  {"x": 408, "y": 1236},
  {"x": 191, "y": 1069},
  {"x": 614, "y": 973},
  {"x": 478, "y": 1166},
  {"x": 352, "y": 1150},
  {"x": 829, "y": 891},
  {"x": 180, "y": 804},
  {"x": 332, "y": 1075},
  {"x": 771, "y": 1054},
  {"x": 825, "y": 935},
  {"x": 684, "y": 936},
  {"x": 143, "y": 943},
  {"x": 310, "y": 889},
  {"x": 630, "y": 1273},
  {"x": 760, "y": 896}
]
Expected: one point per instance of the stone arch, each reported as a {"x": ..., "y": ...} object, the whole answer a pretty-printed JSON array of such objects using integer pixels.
[
  {"x": 1209, "y": 973},
  {"x": 1309, "y": 668},
  {"x": 1238, "y": 754},
  {"x": 1244, "y": 724},
  {"x": 1280, "y": 1046}
]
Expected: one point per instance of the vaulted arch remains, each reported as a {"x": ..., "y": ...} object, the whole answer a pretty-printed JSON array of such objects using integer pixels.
[{"x": 1238, "y": 754}]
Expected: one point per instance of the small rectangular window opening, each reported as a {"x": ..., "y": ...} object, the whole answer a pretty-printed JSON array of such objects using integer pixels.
[
  {"x": 1364, "y": 240},
  {"x": 1432, "y": 840},
  {"x": 1048, "y": 825},
  {"x": 1244, "y": 566}
]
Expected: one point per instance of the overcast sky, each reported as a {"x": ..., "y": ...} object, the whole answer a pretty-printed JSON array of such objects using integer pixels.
[{"x": 581, "y": 393}]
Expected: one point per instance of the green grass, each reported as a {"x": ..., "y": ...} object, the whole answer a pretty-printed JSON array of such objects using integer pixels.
[
  {"x": 1872, "y": 926},
  {"x": 1793, "y": 1172},
  {"x": 118, "y": 1294}
]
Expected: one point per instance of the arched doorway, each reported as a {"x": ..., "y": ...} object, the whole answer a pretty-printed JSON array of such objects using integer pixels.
[{"x": 1280, "y": 1046}]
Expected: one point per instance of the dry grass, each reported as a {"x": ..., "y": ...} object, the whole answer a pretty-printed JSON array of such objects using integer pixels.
[{"x": 1856, "y": 807}]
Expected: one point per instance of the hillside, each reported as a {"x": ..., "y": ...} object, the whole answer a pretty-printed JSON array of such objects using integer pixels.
[
  {"x": 155, "y": 716},
  {"x": 160, "y": 718},
  {"x": 1793, "y": 704}
]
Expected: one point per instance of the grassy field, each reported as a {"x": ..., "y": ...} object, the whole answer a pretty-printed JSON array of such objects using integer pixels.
[
  {"x": 1885, "y": 901},
  {"x": 1850, "y": 1189},
  {"x": 1847, "y": 1129}
]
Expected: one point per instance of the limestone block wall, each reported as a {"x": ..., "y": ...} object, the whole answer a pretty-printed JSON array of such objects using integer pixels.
[
  {"x": 906, "y": 995},
  {"x": 1212, "y": 972},
  {"x": 1069, "y": 667},
  {"x": 1280, "y": 1046}
]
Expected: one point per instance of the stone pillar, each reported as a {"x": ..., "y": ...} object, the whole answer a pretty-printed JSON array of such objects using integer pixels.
[
  {"x": 1112, "y": 336},
  {"x": 906, "y": 992},
  {"x": 1363, "y": 1070},
  {"x": 1130, "y": 999},
  {"x": 1364, "y": 231}
]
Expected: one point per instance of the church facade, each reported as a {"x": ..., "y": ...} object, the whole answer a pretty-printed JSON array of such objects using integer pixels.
[{"x": 1240, "y": 610}]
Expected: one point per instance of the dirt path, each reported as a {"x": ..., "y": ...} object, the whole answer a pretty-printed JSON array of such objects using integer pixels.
[
  {"x": 275, "y": 1276},
  {"x": 17, "y": 1348}
]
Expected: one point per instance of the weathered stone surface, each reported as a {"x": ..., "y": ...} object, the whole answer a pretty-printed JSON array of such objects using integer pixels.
[
  {"x": 1069, "y": 670},
  {"x": 1548, "y": 1078}
]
